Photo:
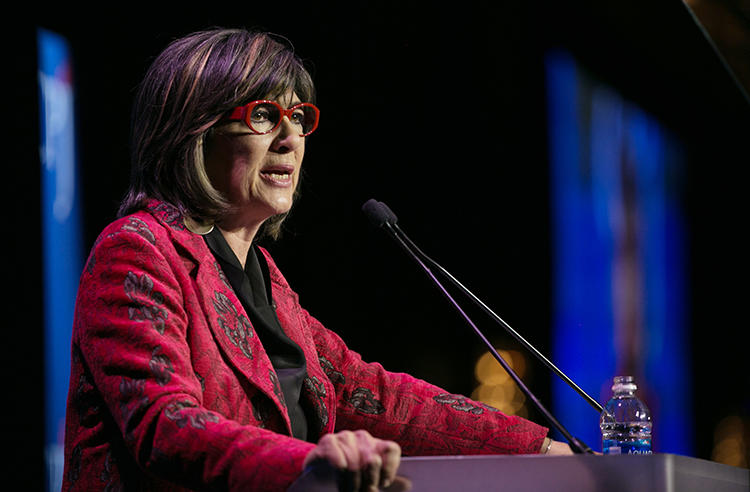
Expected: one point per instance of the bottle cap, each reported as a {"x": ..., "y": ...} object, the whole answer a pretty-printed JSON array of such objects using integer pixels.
[{"x": 624, "y": 383}]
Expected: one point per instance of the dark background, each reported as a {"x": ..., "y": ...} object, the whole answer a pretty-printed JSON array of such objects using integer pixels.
[{"x": 475, "y": 197}]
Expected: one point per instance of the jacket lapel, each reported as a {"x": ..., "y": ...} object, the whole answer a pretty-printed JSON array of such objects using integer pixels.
[
  {"x": 223, "y": 311},
  {"x": 317, "y": 390}
]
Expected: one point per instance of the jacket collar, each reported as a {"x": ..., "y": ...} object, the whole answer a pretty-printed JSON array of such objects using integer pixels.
[{"x": 186, "y": 233}]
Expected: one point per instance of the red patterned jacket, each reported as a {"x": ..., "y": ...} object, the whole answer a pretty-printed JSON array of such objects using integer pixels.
[{"x": 171, "y": 389}]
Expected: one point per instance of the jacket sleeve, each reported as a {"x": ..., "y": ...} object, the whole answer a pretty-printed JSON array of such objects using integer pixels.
[
  {"x": 422, "y": 418},
  {"x": 130, "y": 335}
]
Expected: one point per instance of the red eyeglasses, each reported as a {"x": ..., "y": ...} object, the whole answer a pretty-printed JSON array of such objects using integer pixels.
[{"x": 265, "y": 116}]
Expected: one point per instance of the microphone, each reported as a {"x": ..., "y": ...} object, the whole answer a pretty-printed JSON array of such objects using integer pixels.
[
  {"x": 381, "y": 216},
  {"x": 378, "y": 213}
]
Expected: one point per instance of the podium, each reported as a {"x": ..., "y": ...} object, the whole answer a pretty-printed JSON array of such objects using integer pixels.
[{"x": 531, "y": 473}]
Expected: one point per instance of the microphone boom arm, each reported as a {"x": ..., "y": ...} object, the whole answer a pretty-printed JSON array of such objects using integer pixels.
[
  {"x": 577, "y": 445},
  {"x": 595, "y": 404}
]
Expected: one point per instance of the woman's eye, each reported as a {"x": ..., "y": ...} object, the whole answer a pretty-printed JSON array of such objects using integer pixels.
[
  {"x": 298, "y": 117},
  {"x": 260, "y": 114}
]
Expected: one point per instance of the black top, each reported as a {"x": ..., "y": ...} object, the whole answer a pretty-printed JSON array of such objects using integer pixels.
[{"x": 252, "y": 285}]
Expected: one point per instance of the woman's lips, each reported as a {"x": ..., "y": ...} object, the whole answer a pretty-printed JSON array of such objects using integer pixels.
[{"x": 278, "y": 175}]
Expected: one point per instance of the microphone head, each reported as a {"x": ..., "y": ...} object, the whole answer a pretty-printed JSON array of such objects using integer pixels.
[
  {"x": 377, "y": 212},
  {"x": 391, "y": 216}
]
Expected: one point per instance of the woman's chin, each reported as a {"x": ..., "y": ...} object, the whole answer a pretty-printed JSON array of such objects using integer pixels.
[{"x": 274, "y": 206}]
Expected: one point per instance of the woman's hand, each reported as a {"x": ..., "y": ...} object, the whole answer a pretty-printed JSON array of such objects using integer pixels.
[
  {"x": 556, "y": 448},
  {"x": 371, "y": 462}
]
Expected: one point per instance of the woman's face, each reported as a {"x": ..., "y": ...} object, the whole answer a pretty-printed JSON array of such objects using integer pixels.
[{"x": 256, "y": 173}]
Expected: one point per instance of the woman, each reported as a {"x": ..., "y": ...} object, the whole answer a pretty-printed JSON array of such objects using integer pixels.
[{"x": 194, "y": 366}]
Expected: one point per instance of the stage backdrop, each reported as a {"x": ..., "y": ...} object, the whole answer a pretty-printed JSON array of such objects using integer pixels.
[
  {"x": 620, "y": 256},
  {"x": 61, "y": 234}
]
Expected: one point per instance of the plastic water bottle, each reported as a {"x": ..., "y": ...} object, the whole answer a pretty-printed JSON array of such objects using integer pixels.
[{"x": 625, "y": 421}]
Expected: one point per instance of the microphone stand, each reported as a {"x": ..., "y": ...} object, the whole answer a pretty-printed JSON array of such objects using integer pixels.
[
  {"x": 576, "y": 445},
  {"x": 397, "y": 230}
]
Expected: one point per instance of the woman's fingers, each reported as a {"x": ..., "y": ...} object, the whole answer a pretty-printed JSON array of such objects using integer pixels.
[
  {"x": 390, "y": 453},
  {"x": 371, "y": 462},
  {"x": 330, "y": 450}
]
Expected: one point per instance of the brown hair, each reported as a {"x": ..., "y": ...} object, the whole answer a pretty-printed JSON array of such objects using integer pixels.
[{"x": 185, "y": 92}]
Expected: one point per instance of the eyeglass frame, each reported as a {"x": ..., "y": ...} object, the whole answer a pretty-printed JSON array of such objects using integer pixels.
[{"x": 242, "y": 113}]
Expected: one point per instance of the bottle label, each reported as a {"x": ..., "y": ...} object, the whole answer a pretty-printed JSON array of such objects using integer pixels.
[{"x": 642, "y": 446}]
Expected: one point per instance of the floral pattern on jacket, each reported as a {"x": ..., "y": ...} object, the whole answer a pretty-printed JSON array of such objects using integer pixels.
[{"x": 171, "y": 389}]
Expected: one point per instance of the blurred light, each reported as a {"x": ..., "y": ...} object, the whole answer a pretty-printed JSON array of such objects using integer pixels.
[
  {"x": 620, "y": 254},
  {"x": 731, "y": 442},
  {"x": 496, "y": 388},
  {"x": 62, "y": 234}
]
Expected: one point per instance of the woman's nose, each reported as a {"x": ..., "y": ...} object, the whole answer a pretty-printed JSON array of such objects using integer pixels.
[{"x": 288, "y": 137}]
